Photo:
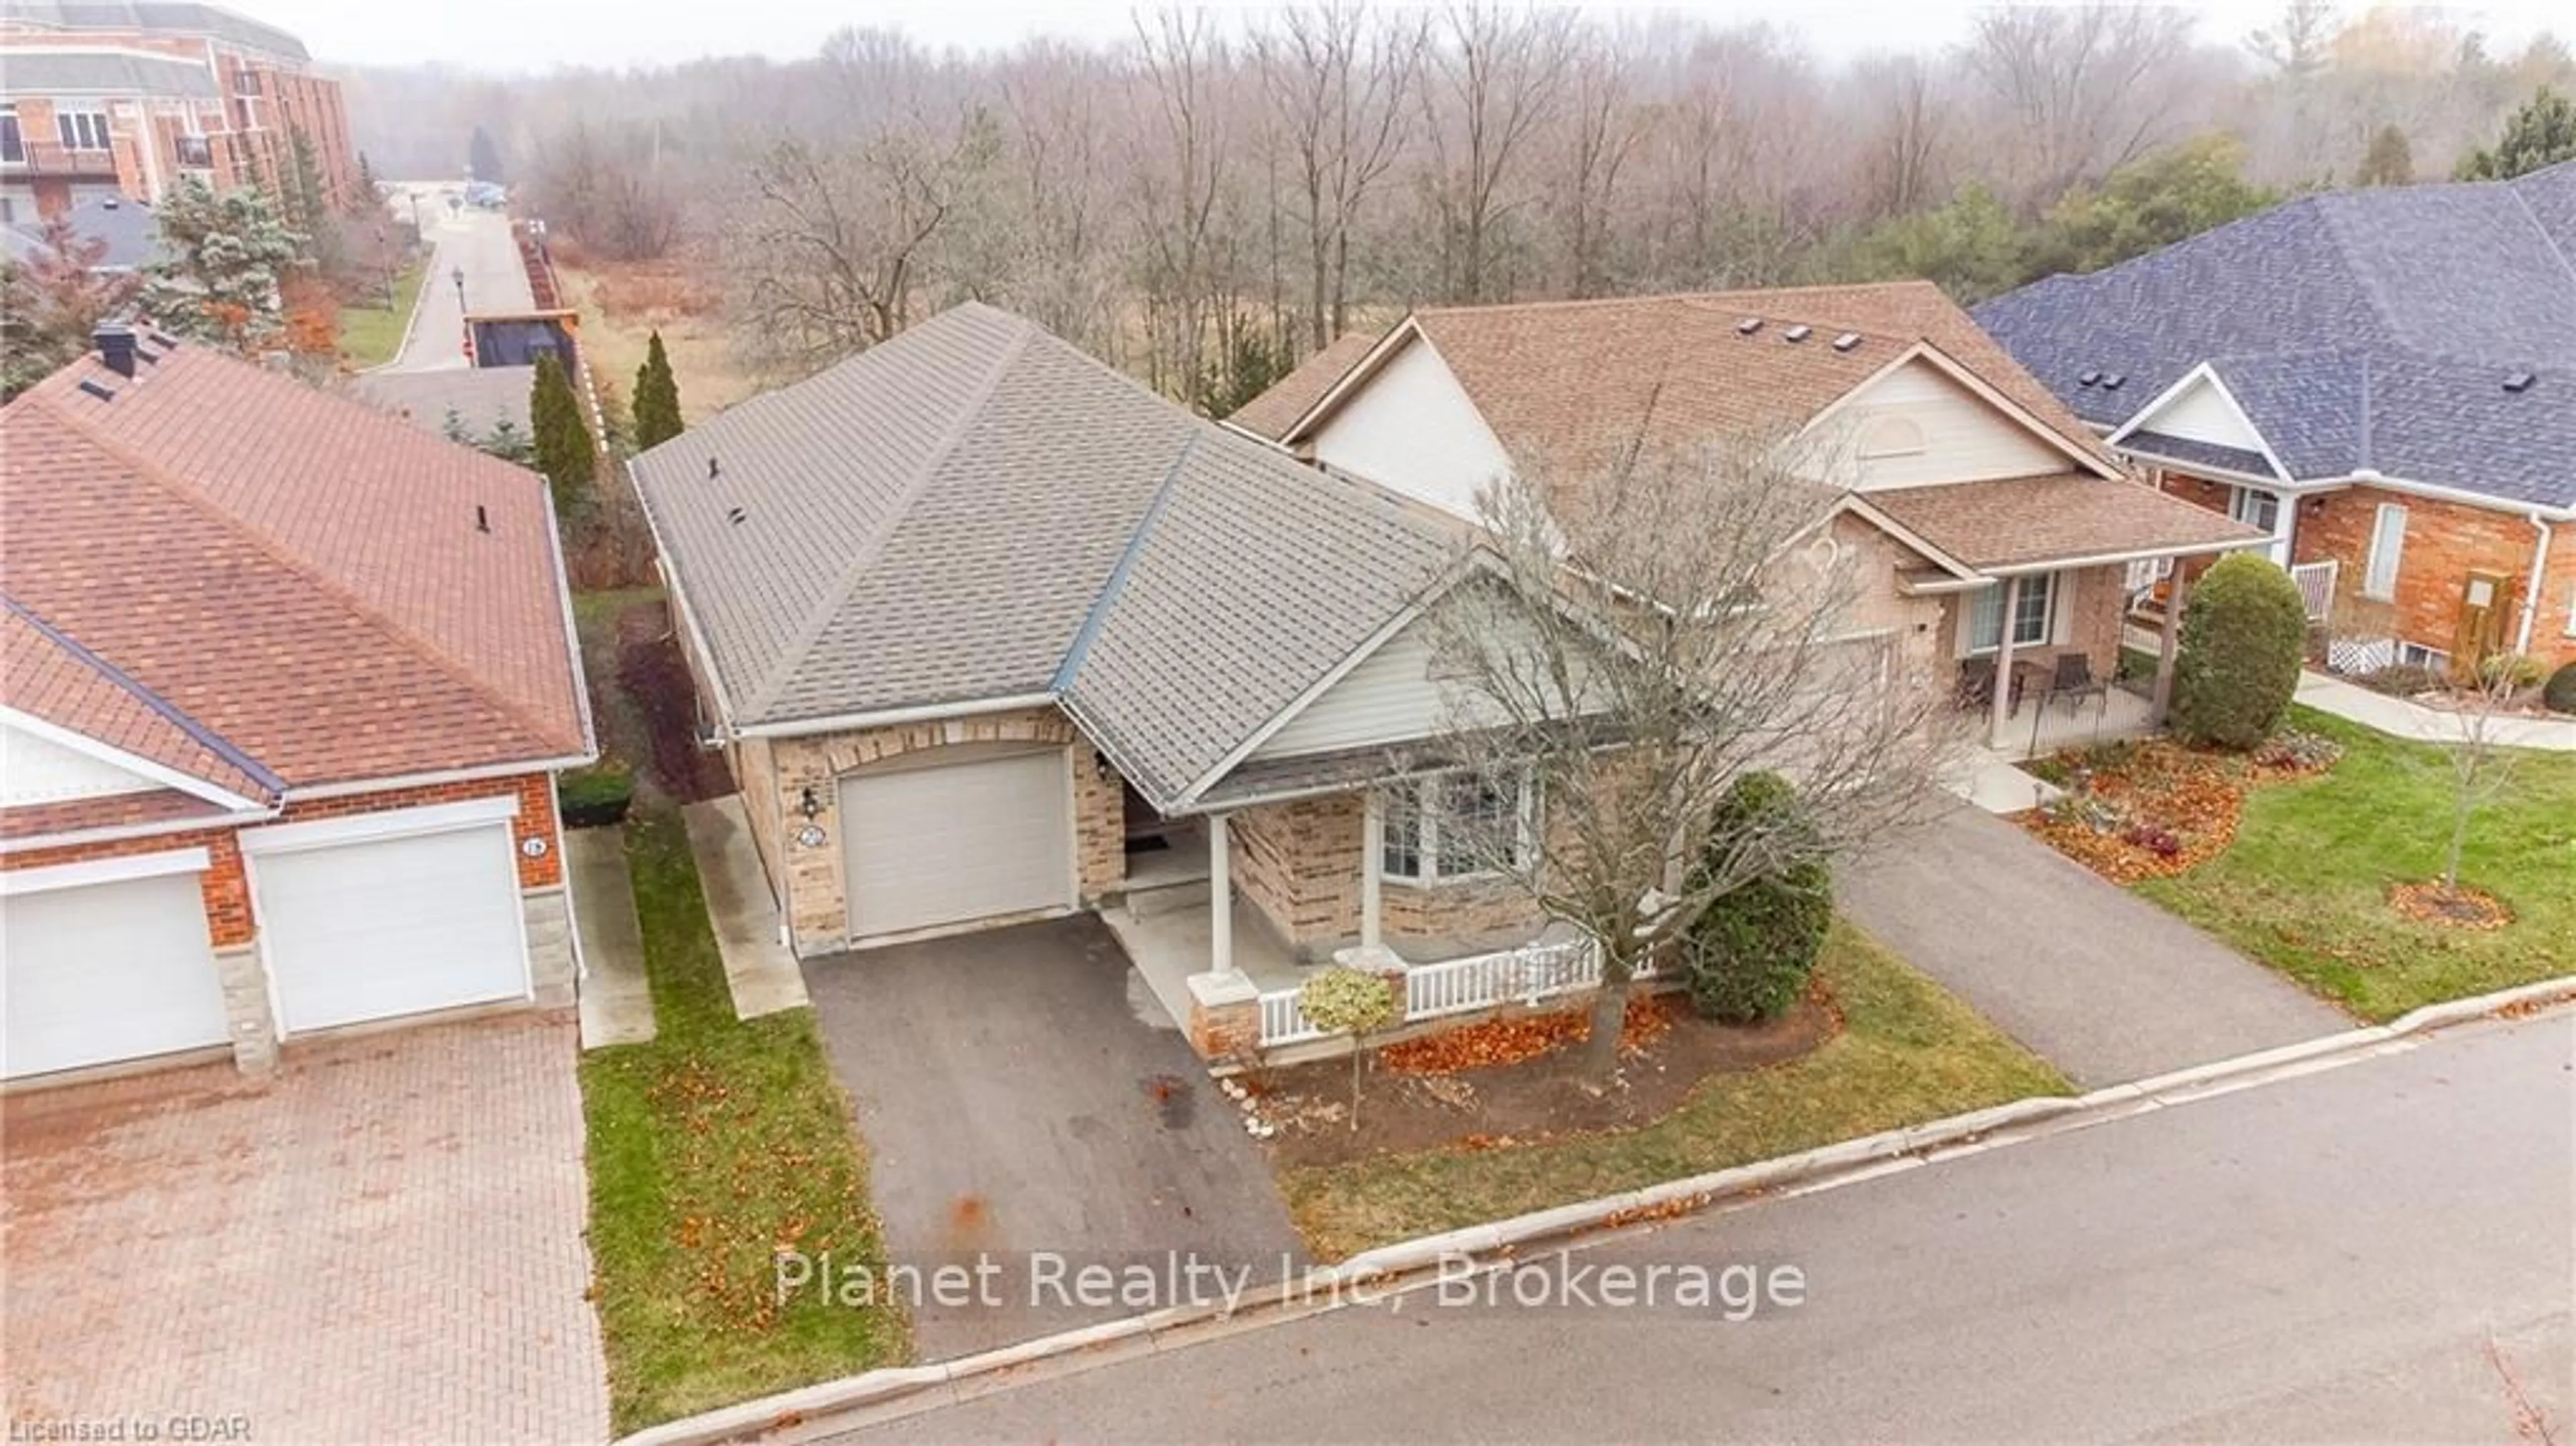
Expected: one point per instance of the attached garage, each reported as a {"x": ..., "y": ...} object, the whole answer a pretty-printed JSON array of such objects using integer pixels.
[
  {"x": 963, "y": 834},
  {"x": 107, "y": 962},
  {"x": 387, "y": 914}
]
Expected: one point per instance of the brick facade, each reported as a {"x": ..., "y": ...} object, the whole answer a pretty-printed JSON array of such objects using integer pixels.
[
  {"x": 1299, "y": 863},
  {"x": 2445, "y": 541},
  {"x": 231, "y": 918},
  {"x": 2090, "y": 617},
  {"x": 775, "y": 773}
]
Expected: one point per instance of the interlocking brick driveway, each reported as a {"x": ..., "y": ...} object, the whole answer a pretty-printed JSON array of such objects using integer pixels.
[{"x": 383, "y": 1244}]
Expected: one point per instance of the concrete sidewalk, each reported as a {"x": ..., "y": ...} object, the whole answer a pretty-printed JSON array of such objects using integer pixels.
[
  {"x": 2107, "y": 986},
  {"x": 616, "y": 1000},
  {"x": 2405, "y": 718},
  {"x": 758, "y": 967}
]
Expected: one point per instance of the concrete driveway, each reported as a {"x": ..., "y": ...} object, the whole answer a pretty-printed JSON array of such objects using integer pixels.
[
  {"x": 381, "y": 1243},
  {"x": 1019, "y": 1092},
  {"x": 2106, "y": 985}
]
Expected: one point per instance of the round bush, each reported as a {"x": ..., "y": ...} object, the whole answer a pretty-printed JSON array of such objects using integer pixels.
[
  {"x": 596, "y": 796},
  {"x": 2244, "y": 636},
  {"x": 2558, "y": 695},
  {"x": 1748, "y": 955}
]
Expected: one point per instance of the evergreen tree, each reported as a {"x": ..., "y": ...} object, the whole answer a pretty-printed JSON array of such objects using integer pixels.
[
  {"x": 2390, "y": 161},
  {"x": 483, "y": 158},
  {"x": 2540, "y": 135},
  {"x": 657, "y": 398},
  {"x": 371, "y": 192},
  {"x": 308, "y": 208},
  {"x": 2150, "y": 203},
  {"x": 223, "y": 258},
  {"x": 564, "y": 450}
]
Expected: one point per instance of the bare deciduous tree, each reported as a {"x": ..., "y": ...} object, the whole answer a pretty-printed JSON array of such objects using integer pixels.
[
  {"x": 1670, "y": 623},
  {"x": 2077, "y": 88},
  {"x": 1339, "y": 84},
  {"x": 1491, "y": 85}
]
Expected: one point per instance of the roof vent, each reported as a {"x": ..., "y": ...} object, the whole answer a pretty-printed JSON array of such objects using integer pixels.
[
  {"x": 1847, "y": 341},
  {"x": 482, "y": 522},
  {"x": 2112, "y": 382},
  {"x": 1799, "y": 332},
  {"x": 1748, "y": 326},
  {"x": 95, "y": 390},
  {"x": 711, "y": 469},
  {"x": 2519, "y": 382},
  {"x": 162, "y": 339},
  {"x": 2089, "y": 378},
  {"x": 735, "y": 515}
]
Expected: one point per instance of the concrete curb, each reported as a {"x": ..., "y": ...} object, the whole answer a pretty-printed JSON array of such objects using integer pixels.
[
  {"x": 411, "y": 323},
  {"x": 1495, "y": 1242}
]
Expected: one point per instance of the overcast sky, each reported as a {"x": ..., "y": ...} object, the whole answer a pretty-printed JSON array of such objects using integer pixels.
[{"x": 542, "y": 34}]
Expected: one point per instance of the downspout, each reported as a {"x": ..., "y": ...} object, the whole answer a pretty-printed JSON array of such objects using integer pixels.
[{"x": 2531, "y": 589}]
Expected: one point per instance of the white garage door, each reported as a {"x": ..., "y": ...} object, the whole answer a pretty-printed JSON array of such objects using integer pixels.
[
  {"x": 930, "y": 846},
  {"x": 107, "y": 972},
  {"x": 391, "y": 926}
]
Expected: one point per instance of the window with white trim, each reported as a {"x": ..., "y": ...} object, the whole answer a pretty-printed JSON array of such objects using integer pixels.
[
  {"x": 2032, "y": 612},
  {"x": 2256, "y": 507},
  {"x": 1459, "y": 825},
  {"x": 82, "y": 130},
  {"x": 2387, "y": 546},
  {"x": 2416, "y": 655},
  {"x": 2571, "y": 610}
]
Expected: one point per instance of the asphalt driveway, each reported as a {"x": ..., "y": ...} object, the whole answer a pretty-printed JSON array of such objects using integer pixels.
[
  {"x": 1017, "y": 1096},
  {"x": 2107, "y": 986},
  {"x": 381, "y": 1243}
]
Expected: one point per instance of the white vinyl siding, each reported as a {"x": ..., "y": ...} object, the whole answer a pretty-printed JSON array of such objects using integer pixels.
[
  {"x": 101, "y": 973},
  {"x": 2203, "y": 413},
  {"x": 383, "y": 927},
  {"x": 1916, "y": 426},
  {"x": 930, "y": 847},
  {"x": 1387, "y": 698},
  {"x": 35, "y": 769},
  {"x": 2387, "y": 547},
  {"x": 1412, "y": 428}
]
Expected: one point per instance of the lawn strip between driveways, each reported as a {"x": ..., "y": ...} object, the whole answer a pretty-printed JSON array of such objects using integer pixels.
[
  {"x": 371, "y": 336},
  {"x": 2304, "y": 887},
  {"x": 710, "y": 1146},
  {"x": 1908, "y": 1052}
]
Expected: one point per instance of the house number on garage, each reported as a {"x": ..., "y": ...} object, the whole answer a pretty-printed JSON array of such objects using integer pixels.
[
  {"x": 809, "y": 837},
  {"x": 534, "y": 848}
]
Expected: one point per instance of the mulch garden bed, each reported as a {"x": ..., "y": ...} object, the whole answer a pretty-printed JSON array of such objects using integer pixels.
[
  {"x": 2150, "y": 810},
  {"x": 1518, "y": 1079},
  {"x": 655, "y": 678},
  {"x": 2460, "y": 908}
]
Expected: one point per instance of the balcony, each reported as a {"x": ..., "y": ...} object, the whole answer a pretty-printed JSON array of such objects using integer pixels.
[
  {"x": 45, "y": 158},
  {"x": 193, "y": 152}
]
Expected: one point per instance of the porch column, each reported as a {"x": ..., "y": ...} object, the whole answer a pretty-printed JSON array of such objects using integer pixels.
[
  {"x": 2167, "y": 640},
  {"x": 1372, "y": 864},
  {"x": 2002, "y": 707},
  {"x": 1220, "y": 895}
]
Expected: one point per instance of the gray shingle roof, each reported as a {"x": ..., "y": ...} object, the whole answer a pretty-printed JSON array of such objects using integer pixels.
[
  {"x": 129, "y": 231},
  {"x": 977, "y": 510},
  {"x": 180, "y": 17},
  {"x": 104, "y": 73},
  {"x": 2369, "y": 328},
  {"x": 481, "y": 397}
]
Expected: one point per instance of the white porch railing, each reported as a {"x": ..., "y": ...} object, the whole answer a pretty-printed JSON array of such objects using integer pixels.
[
  {"x": 1461, "y": 986},
  {"x": 2316, "y": 582}
]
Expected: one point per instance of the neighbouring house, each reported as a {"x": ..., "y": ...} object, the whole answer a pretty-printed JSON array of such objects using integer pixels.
[
  {"x": 103, "y": 97},
  {"x": 2382, "y": 380},
  {"x": 127, "y": 233},
  {"x": 287, "y": 683},
  {"x": 992, "y": 634},
  {"x": 478, "y": 398},
  {"x": 2003, "y": 536}
]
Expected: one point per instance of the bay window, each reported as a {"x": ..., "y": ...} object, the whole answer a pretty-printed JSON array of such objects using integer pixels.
[
  {"x": 2033, "y": 612},
  {"x": 1458, "y": 826}
]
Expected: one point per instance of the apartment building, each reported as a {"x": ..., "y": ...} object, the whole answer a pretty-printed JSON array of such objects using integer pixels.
[{"x": 129, "y": 97}]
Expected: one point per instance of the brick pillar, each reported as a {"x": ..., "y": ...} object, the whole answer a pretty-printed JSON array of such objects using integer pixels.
[{"x": 1225, "y": 1016}]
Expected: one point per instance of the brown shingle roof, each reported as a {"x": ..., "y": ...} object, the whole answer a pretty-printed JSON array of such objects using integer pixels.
[
  {"x": 2023, "y": 521},
  {"x": 1562, "y": 380},
  {"x": 1271, "y": 413},
  {"x": 299, "y": 574},
  {"x": 49, "y": 677}
]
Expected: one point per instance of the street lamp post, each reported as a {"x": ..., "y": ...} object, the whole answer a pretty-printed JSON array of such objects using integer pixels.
[{"x": 459, "y": 276}]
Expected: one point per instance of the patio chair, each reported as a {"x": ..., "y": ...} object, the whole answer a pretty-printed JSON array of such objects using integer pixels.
[{"x": 2074, "y": 679}]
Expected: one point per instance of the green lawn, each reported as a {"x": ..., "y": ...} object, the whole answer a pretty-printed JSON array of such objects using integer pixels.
[
  {"x": 2305, "y": 885},
  {"x": 370, "y": 335},
  {"x": 711, "y": 1146},
  {"x": 1909, "y": 1052}
]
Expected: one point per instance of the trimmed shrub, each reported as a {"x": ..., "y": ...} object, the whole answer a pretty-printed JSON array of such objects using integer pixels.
[
  {"x": 595, "y": 796},
  {"x": 2558, "y": 695},
  {"x": 1748, "y": 955},
  {"x": 2401, "y": 680},
  {"x": 2244, "y": 637}
]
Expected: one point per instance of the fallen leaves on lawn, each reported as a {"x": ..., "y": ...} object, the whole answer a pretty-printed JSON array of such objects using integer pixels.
[
  {"x": 2155, "y": 809},
  {"x": 2460, "y": 908}
]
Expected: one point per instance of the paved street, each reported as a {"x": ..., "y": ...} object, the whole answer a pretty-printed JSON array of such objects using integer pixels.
[
  {"x": 383, "y": 1242},
  {"x": 2324, "y": 1258},
  {"x": 479, "y": 243},
  {"x": 2106, "y": 985}
]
